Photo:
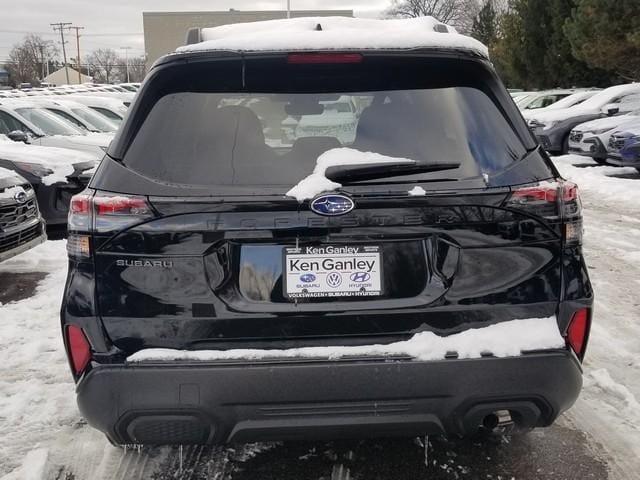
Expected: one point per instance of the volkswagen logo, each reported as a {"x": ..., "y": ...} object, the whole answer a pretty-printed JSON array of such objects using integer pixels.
[
  {"x": 334, "y": 279},
  {"x": 332, "y": 205},
  {"x": 20, "y": 196}
]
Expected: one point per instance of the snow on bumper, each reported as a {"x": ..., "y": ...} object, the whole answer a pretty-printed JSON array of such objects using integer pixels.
[{"x": 506, "y": 339}]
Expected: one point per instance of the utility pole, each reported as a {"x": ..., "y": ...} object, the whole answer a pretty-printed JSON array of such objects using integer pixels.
[
  {"x": 126, "y": 60},
  {"x": 77, "y": 29},
  {"x": 60, "y": 26},
  {"x": 41, "y": 48},
  {"x": 288, "y": 8}
]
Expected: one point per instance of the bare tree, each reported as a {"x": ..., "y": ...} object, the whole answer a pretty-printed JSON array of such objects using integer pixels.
[
  {"x": 104, "y": 64},
  {"x": 29, "y": 59},
  {"x": 459, "y": 13},
  {"x": 137, "y": 68}
]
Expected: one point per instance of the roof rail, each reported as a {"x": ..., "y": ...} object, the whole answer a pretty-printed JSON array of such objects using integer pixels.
[{"x": 194, "y": 35}]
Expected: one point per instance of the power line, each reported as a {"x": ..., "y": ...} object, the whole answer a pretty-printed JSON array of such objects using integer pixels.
[{"x": 60, "y": 26}]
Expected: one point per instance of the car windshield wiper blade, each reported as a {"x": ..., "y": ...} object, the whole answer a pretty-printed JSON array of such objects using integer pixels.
[{"x": 359, "y": 173}]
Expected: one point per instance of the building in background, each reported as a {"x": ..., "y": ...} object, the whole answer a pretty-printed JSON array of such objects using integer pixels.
[
  {"x": 165, "y": 31},
  {"x": 59, "y": 77},
  {"x": 4, "y": 77}
]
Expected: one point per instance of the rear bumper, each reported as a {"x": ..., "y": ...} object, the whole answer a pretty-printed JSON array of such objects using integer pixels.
[{"x": 233, "y": 402}]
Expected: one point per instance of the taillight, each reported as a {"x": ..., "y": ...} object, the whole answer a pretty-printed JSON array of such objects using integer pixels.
[
  {"x": 78, "y": 349},
  {"x": 555, "y": 201},
  {"x": 323, "y": 58},
  {"x": 578, "y": 332}
]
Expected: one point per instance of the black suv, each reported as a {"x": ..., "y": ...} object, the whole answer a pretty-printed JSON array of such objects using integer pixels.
[{"x": 427, "y": 278}]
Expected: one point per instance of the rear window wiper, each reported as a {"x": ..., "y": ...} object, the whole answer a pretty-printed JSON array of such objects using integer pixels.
[{"x": 360, "y": 173}]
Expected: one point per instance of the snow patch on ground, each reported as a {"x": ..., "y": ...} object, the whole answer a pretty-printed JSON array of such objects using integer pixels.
[
  {"x": 598, "y": 179},
  {"x": 37, "y": 397},
  {"x": 33, "y": 466},
  {"x": 317, "y": 183},
  {"x": 338, "y": 33},
  {"x": 506, "y": 339}
]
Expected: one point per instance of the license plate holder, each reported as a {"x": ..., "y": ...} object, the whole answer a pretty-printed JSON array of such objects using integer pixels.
[{"x": 332, "y": 271}]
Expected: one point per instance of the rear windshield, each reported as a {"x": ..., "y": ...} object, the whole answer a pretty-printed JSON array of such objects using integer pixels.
[{"x": 206, "y": 131}]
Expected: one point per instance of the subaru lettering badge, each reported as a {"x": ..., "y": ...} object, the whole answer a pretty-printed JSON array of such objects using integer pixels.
[
  {"x": 20, "y": 196},
  {"x": 332, "y": 205}
]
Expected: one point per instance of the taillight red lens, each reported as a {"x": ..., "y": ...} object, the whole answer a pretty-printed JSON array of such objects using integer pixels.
[
  {"x": 548, "y": 192},
  {"x": 121, "y": 205},
  {"x": 578, "y": 332},
  {"x": 320, "y": 58},
  {"x": 79, "y": 349}
]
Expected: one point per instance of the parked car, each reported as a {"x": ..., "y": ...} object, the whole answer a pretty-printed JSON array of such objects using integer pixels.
[
  {"x": 552, "y": 128},
  {"x": 26, "y": 122},
  {"x": 424, "y": 277},
  {"x": 78, "y": 114},
  {"x": 56, "y": 174},
  {"x": 567, "y": 102},
  {"x": 592, "y": 138},
  {"x": 538, "y": 100},
  {"x": 624, "y": 148},
  {"x": 115, "y": 110},
  {"x": 21, "y": 226}
]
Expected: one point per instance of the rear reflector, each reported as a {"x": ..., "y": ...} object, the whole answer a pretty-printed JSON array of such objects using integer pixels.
[
  {"x": 79, "y": 349},
  {"x": 578, "y": 332},
  {"x": 321, "y": 58}
]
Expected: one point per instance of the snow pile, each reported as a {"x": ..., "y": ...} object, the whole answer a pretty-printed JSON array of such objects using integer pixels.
[
  {"x": 338, "y": 33},
  {"x": 506, "y": 339},
  {"x": 4, "y": 173},
  {"x": 37, "y": 395},
  {"x": 600, "y": 179},
  {"x": 317, "y": 183},
  {"x": 59, "y": 161},
  {"x": 34, "y": 466}
]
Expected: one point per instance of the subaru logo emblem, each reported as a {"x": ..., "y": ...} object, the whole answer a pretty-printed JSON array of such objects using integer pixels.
[
  {"x": 332, "y": 205},
  {"x": 360, "y": 277},
  {"x": 307, "y": 278},
  {"x": 20, "y": 196}
]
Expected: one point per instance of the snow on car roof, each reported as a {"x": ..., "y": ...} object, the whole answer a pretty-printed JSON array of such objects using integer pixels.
[{"x": 334, "y": 33}]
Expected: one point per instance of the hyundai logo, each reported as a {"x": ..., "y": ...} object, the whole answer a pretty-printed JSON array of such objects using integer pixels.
[
  {"x": 332, "y": 205},
  {"x": 307, "y": 278},
  {"x": 360, "y": 277},
  {"x": 20, "y": 196}
]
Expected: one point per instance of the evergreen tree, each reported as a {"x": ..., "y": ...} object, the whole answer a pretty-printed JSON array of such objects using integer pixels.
[
  {"x": 606, "y": 34},
  {"x": 485, "y": 25}
]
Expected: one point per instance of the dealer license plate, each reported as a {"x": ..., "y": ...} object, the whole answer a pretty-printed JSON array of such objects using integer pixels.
[{"x": 332, "y": 271}]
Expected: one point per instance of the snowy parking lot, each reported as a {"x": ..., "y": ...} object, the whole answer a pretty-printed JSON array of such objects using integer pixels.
[{"x": 44, "y": 437}]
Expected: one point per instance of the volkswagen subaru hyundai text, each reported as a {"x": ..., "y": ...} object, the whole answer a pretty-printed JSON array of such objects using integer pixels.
[{"x": 236, "y": 278}]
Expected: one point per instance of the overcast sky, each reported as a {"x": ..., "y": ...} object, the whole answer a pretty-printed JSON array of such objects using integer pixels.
[{"x": 118, "y": 23}]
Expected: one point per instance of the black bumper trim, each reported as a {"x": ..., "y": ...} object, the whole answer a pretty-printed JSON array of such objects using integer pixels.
[{"x": 210, "y": 403}]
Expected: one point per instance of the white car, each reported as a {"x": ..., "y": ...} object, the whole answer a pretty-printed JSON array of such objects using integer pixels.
[
  {"x": 539, "y": 100},
  {"x": 115, "y": 110},
  {"x": 552, "y": 127},
  {"x": 567, "y": 102},
  {"x": 592, "y": 138},
  {"x": 25, "y": 121},
  {"x": 78, "y": 114}
]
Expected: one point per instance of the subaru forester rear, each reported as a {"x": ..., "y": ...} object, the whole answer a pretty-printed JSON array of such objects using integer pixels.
[{"x": 299, "y": 241}]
